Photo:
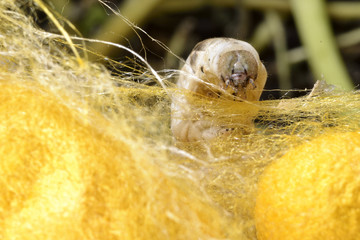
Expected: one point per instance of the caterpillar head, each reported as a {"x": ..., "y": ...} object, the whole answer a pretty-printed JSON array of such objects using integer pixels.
[{"x": 238, "y": 71}]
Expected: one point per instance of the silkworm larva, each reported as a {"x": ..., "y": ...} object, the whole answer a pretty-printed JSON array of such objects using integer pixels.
[{"x": 229, "y": 65}]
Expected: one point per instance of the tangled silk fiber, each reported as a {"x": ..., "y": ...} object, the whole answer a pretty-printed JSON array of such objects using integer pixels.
[
  {"x": 69, "y": 172},
  {"x": 86, "y": 154},
  {"x": 62, "y": 178}
]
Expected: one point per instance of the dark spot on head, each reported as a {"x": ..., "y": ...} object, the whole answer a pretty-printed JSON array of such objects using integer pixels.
[{"x": 202, "y": 69}]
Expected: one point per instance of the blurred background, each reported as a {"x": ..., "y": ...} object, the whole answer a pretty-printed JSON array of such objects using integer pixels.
[{"x": 299, "y": 41}]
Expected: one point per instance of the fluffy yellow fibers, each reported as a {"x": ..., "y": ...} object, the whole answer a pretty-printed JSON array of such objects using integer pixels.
[
  {"x": 61, "y": 178},
  {"x": 313, "y": 192},
  {"x": 89, "y": 155},
  {"x": 71, "y": 166}
]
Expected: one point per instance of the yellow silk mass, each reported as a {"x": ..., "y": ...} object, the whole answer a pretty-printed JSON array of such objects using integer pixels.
[{"x": 87, "y": 153}]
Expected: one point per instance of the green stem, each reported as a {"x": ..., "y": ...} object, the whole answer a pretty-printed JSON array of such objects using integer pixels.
[
  {"x": 261, "y": 37},
  {"x": 314, "y": 28},
  {"x": 278, "y": 34},
  {"x": 343, "y": 40}
]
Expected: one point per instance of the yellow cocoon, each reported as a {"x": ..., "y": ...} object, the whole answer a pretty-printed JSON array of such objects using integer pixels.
[
  {"x": 313, "y": 192},
  {"x": 63, "y": 178}
]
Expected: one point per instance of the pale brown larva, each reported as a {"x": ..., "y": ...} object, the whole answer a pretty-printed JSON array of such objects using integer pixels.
[{"x": 216, "y": 65}]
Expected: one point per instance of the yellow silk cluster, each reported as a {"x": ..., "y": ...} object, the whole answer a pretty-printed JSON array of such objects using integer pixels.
[{"x": 86, "y": 154}]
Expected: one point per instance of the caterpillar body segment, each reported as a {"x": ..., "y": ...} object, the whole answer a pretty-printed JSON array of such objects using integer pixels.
[{"x": 217, "y": 67}]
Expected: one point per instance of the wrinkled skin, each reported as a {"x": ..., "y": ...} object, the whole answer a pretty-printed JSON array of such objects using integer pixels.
[{"x": 216, "y": 67}]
